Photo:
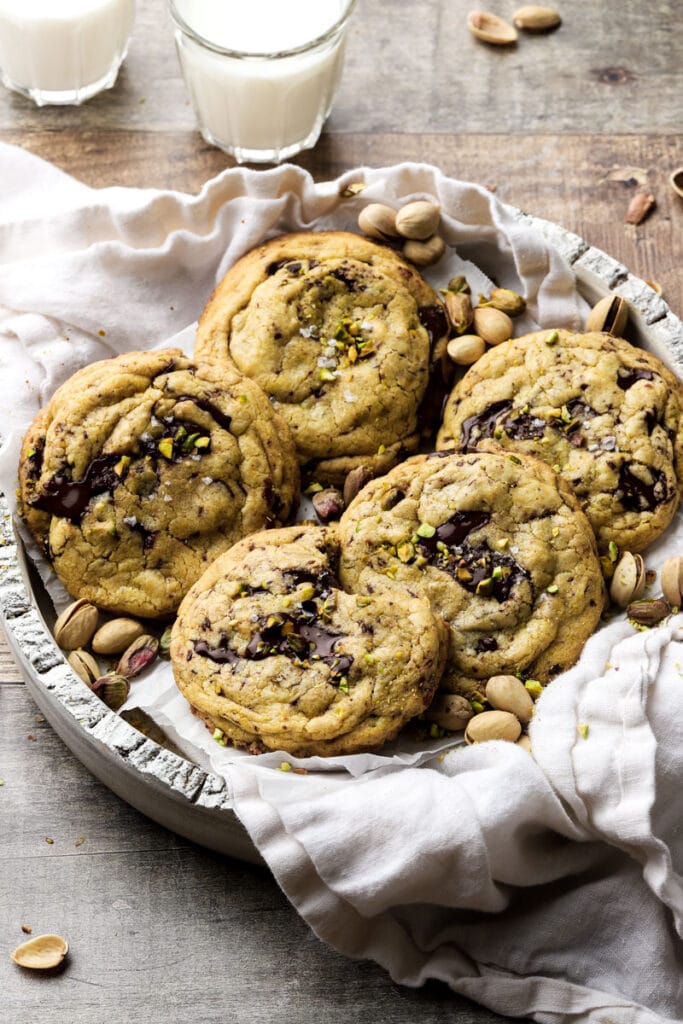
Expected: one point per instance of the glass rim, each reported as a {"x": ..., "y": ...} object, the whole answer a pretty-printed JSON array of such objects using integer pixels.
[{"x": 223, "y": 51}]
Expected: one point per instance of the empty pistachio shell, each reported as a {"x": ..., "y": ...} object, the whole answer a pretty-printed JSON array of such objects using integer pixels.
[
  {"x": 355, "y": 482},
  {"x": 378, "y": 221},
  {"x": 459, "y": 308},
  {"x": 113, "y": 689},
  {"x": 524, "y": 742},
  {"x": 493, "y": 725},
  {"x": 609, "y": 315},
  {"x": 84, "y": 665},
  {"x": 648, "y": 613},
  {"x": 628, "y": 581},
  {"x": 41, "y": 953},
  {"x": 506, "y": 301},
  {"x": 676, "y": 181},
  {"x": 138, "y": 656},
  {"x": 418, "y": 220},
  {"x": 508, "y": 693},
  {"x": 117, "y": 634},
  {"x": 450, "y": 711},
  {"x": 466, "y": 349},
  {"x": 672, "y": 581},
  {"x": 492, "y": 325},
  {"x": 490, "y": 28},
  {"x": 424, "y": 254},
  {"x": 76, "y": 625},
  {"x": 536, "y": 19}
]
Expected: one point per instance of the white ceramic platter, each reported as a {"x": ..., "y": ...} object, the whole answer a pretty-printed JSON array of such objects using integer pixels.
[{"x": 167, "y": 787}]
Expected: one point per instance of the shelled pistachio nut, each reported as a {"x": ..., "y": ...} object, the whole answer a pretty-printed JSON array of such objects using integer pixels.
[
  {"x": 672, "y": 581},
  {"x": 628, "y": 581},
  {"x": 459, "y": 308},
  {"x": 328, "y": 504},
  {"x": 165, "y": 643},
  {"x": 117, "y": 634},
  {"x": 418, "y": 220},
  {"x": 424, "y": 254},
  {"x": 378, "y": 221},
  {"x": 113, "y": 689},
  {"x": 466, "y": 349},
  {"x": 459, "y": 284},
  {"x": 536, "y": 19},
  {"x": 354, "y": 483},
  {"x": 506, "y": 301},
  {"x": 648, "y": 613},
  {"x": 84, "y": 665},
  {"x": 76, "y": 625},
  {"x": 493, "y": 725},
  {"x": 492, "y": 325},
  {"x": 508, "y": 693},
  {"x": 41, "y": 953},
  {"x": 609, "y": 315},
  {"x": 138, "y": 656},
  {"x": 491, "y": 29},
  {"x": 449, "y": 711}
]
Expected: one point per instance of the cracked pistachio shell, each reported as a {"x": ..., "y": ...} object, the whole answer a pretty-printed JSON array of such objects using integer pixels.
[
  {"x": 41, "y": 953},
  {"x": 508, "y": 693},
  {"x": 424, "y": 254},
  {"x": 113, "y": 689},
  {"x": 492, "y": 325},
  {"x": 116, "y": 635},
  {"x": 628, "y": 581},
  {"x": 493, "y": 725},
  {"x": 76, "y": 625},
  {"x": 609, "y": 315},
  {"x": 459, "y": 308},
  {"x": 506, "y": 301},
  {"x": 138, "y": 656},
  {"x": 84, "y": 665},
  {"x": 418, "y": 220},
  {"x": 466, "y": 349},
  {"x": 449, "y": 711},
  {"x": 672, "y": 581},
  {"x": 491, "y": 29},
  {"x": 355, "y": 481},
  {"x": 378, "y": 221}
]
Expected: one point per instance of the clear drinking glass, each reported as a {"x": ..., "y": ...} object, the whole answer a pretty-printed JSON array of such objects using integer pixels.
[
  {"x": 261, "y": 75},
  {"x": 63, "y": 51}
]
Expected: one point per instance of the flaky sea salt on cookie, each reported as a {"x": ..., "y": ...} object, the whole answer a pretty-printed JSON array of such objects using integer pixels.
[
  {"x": 339, "y": 332},
  {"x": 273, "y": 654},
  {"x": 604, "y": 414},
  {"x": 497, "y": 544},
  {"x": 144, "y": 468}
]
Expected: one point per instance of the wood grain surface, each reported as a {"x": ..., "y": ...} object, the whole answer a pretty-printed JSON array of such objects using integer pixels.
[{"x": 566, "y": 126}]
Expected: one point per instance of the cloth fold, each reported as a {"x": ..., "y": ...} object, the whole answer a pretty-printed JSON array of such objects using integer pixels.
[{"x": 546, "y": 886}]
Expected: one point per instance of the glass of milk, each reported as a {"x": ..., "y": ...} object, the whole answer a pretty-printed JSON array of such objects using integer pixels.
[
  {"x": 63, "y": 51},
  {"x": 261, "y": 74}
]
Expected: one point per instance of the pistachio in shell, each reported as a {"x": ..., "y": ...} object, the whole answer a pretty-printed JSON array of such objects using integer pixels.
[
  {"x": 328, "y": 504},
  {"x": 628, "y": 580},
  {"x": 672, "y": 581},
  {"x": 466, "y": 349},
  {"x": 41, "y": 953},
  {"x": 116, "y": 635},
  {"x": 418, "y": 220},
  {"x": 508, "y": 693},
  {"x": 112, "y": 689},
  {"x": 492, "y": 325},
  {"x": 138, "y": 656},
  {"x": 376, "y": 220},
  {"x": 459, "y": 283},
  {"x": 354, "y": 483},
  {"x": 84, "y": 665},
  {"x": 489, "y": 28},
  {"x": 424, "y": 254},
  {"x": 532, "y": 18},
  {"x": 648, "y": 613},
  {"x": 75, "y": 626},
  {"x": 449, "y": 711},
  {"x": 609, "y": 315},
  {"x": 524, "y": 742},
  {"x": 459, "y": 308},
  {"x": 506, "y": 301},
  {"x": 493, "y": 725}
]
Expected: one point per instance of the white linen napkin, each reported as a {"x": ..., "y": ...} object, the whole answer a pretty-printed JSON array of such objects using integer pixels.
[{"x": 545, "y": 886}]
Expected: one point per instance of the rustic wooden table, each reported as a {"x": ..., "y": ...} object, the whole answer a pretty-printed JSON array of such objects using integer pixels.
[{"x": 566, "y": 126}]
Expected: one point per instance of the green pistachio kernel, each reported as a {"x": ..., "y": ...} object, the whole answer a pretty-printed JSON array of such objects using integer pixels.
[
  {"x": 202, "y": 442},
  {"x": 326, "y": 374},
  {"x": 425, "y": 530},
  {"x": 533, "y": 688},
  {"x": 552, "y": 338},
  {"x": 582, "y": 731},
  {"x": 166, "y": 447},
  {"x": 553, "y": 588}
]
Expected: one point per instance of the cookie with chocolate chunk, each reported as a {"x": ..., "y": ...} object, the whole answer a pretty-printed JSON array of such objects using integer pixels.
[
  {"x": 271, "y": 651},
  {"x": 144, "y": 468},
  {"x": 604, "y": 414},
  {"x": 339, "y": 332},
  {"x": 498, "y": 545}
]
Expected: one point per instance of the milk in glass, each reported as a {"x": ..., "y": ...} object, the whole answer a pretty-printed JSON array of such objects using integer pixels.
[
  {"x": 261, "y": 74},
  {"x": 63, "y": 51}
]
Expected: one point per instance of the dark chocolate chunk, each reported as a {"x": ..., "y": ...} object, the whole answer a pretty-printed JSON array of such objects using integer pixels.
[
  {"x": 69, "y": 499},
  {"x": 433, "y": 319},
  {"x": 626, "y": 377},
  {"x": 483, "y": 424},
  {"x": 636, "y": 495}
]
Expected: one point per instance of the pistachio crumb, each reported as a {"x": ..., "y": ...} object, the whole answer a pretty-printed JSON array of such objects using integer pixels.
[
  {"x": 285, "y": 766},
  {"x": 50, "y": 842},
  {"x": 582, "y": 731},
  {"x": 552, "y": 338},
  {"x": 243, "y": 399},
  {"x": 381, "y": 450},
  {"x": 553, "y": 588},
  {"x": 425, "y": 530},
  {"x": 613, "y": 551}
]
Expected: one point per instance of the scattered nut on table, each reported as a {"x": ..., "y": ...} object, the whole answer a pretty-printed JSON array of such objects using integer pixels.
[
  {"x": 41, "y": 953},
  {"x": 536, "y": 19},
  {"x": 489, "y": 28}
]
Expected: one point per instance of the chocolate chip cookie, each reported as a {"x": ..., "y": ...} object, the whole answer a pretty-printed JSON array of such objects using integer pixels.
[
  {"x": 144, "y": 468},
  {"x": 499, "y": 546},
  {"x": 604, "y": 414},
  {"x": 273, "y": 654},
  {"x": 339, "y": 333}
]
